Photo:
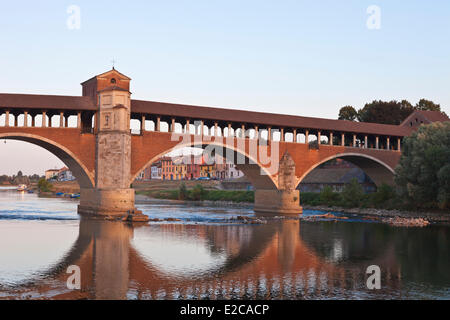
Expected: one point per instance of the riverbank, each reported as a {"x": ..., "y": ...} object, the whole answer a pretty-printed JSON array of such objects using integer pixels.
[
  {"x": 393, "y": 217},
  {"x": 199, "y": 193},
  {"x": 145, "y": 199},
  {"x": 437, "y": 217},
  {"x": 65, "y": 187}
]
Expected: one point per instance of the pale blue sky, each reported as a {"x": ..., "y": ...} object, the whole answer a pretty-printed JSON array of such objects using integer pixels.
[{"x": 295, "y": 57}]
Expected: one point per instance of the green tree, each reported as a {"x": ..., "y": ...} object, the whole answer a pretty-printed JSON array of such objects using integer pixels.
[
  {"x": 198, "y": 192},
  {"x": 35, "y": 177},
  {"x": 423, "y": 174},
  {"x": 392, "y": 112},
  {"x": 384, "y": 193},
  {"x": 348, "y": 113},
  {"x": 428, "y": 105},
  {"x": 327, "y": 196},
  {"x": 352, "y": 193},
  {"x": 183, "y": 192},
  {"x": 44, "y": 185}
]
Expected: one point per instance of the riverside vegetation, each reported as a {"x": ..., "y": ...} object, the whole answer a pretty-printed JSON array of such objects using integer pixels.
[
  {"x": 44, "y": 185},
  {"x": 352, "y": 196},
  {"x": 199, "y": 193}
]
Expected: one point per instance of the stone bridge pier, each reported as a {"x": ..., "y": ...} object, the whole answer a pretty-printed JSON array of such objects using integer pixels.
[{"x": 284, "y": 199}]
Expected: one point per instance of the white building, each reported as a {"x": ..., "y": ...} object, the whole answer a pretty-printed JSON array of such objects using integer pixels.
[
  {"x": 51, "y": 174},
  {"x": 65, "y": 175},
  {"x": 156, "y": 172},
  {"x": 233, "y": 173}
]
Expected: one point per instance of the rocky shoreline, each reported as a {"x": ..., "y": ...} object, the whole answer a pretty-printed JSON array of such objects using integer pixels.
[
  {"x": 392, "y": 217},
  {"x": 383, "y": 214},
  {"x": 396, "y": 221}
]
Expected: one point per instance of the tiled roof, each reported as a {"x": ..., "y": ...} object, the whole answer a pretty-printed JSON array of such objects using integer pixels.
[
  {"x": 106, "y": 73},
  {"x": 431, "y": 116},
  {"x": 30, "y": 101},
  {"x": 268, "y": 119},
  {"x": 434, "y": 116},
  {"x": 34, "y": 101}
]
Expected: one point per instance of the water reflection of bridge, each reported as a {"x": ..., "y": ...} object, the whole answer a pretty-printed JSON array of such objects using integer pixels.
[{"x": 267, "y": 261}]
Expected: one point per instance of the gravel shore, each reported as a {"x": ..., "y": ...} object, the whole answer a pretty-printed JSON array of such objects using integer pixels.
[
  {"x": 441, "y": 217},
  {"x": 436, "y": 217}
]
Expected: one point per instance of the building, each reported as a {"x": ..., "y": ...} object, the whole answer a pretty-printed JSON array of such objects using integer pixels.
[
  {"x": 419, "y": 117},
  {"x": 207, "y": 170},
  {"x": 225, "y": 170},
  {"x": 65, "y": 174},
  {"x": 172, "y": 169},
  {"x": 336, "y": 174},
  {"x": 190, "y": 167},
  {"x": 155, "y": 171},
  {"x": 51, "y": 174},
  {"x": 233, "y": 172},
  {"x": 145, "y": 175}
]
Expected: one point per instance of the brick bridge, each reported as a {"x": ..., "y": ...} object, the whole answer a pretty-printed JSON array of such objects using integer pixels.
[{"x": 91, "y": 134}]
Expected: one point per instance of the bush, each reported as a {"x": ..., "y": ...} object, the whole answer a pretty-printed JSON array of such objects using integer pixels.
[
  {"x": 352, "y": 194},
  {"x": 384, "y": 194},
  {"x": 228, "y": 195},
  {"x": 198, "y": 193},
  {"x": 310, "y": 198},
  {"x": 44, "y": 185},
  {"x": 328, "y": 196},
  {"x": 183, "y": 193}
]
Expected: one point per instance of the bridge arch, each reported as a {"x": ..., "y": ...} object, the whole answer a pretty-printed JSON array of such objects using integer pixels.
[
  {"x": 379, "y": 171},
  {"x": 252, "y": 170},
  {"x": 79, "y": 170}
]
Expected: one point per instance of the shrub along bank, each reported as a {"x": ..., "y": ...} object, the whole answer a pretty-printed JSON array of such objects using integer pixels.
[
  {"x": 352, "y": 196},
  {"x": 198, "y": 193}
]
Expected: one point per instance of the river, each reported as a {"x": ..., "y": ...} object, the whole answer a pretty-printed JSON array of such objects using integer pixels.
[{"x": 205, "y": 256}]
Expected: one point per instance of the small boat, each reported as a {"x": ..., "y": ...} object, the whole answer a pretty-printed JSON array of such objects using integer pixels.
[
  {"x": 22, "y": 187},
  {"x": 30, "y": 191},
  {"x": 75, "y": 195},
  {"x": 59, "y": 193}
]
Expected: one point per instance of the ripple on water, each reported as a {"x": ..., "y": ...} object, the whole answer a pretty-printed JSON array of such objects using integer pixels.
[
  {"x": 24, "y": 206},
  {"x": 192, "y": 213}
]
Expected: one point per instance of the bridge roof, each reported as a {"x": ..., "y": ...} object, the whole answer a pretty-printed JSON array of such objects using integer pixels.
[
  {"x": 46, "y": 102},
  {"x": 83, "y": 103},
  {"x": 264, "y": 119}
]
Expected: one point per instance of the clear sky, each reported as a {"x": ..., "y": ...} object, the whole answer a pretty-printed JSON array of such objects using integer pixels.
[{"x": 296, "y": 57}]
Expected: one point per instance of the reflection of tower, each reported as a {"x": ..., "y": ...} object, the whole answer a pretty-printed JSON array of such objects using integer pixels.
[
  {"x": 110, "y": 245},
  {"x": 288, "y": 240}
]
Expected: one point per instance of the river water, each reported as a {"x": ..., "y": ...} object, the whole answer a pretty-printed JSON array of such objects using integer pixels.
[{"x": 205, "y": 256}]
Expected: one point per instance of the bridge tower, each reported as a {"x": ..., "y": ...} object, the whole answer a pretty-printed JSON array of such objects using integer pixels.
[{"x": 112, "y": 195}]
